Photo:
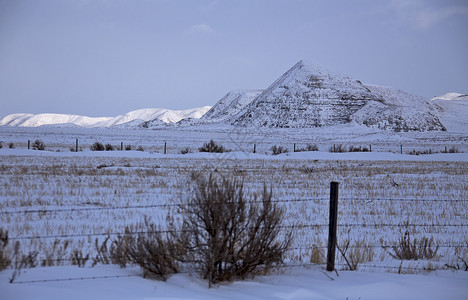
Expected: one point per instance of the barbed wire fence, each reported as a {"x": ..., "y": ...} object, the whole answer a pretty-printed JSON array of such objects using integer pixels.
[{"x": 330, "y": 248}]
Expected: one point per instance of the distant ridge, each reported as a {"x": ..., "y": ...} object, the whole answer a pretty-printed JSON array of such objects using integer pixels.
[{"x": 131, "y": 119}]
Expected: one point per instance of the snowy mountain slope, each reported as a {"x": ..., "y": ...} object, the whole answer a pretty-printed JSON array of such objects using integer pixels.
[
  {"x": 130, "y": 119},
  {"x": 312, "y": 96},
  {"x": 451, "y": 96},
  {"x": 230, "y": 105},
  {"x": 398, "y": 111},
  {"x": 453, "y": 111}
]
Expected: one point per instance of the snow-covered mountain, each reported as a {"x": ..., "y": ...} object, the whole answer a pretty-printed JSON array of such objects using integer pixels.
[
  {"x": 130, "y": 119},
  {"x": 312, "y": 96}
]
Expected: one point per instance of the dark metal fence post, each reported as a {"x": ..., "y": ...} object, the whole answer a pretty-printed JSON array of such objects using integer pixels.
[
  {"x": 332, "y": 226},
  {"x": 294, "y": 147},
  {"x": 121, "y": 146},
  {"x": 29, "y": 144},
  {"x": 76, "y": 146},
  {"x": 165, "y": 147},
  {"x": 255, "y": 148},
  {"x": 401, "y": 149}
]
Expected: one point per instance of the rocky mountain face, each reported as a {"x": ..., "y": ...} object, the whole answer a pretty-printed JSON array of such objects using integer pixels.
[{"x": 311, "y": 96}]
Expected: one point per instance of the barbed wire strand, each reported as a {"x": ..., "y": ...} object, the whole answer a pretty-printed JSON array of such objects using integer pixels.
[{"x": 176, "y": 205}]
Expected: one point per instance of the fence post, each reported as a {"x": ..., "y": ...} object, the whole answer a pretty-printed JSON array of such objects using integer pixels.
[
  {"x": 255, "y": 148},
  {"x": 29, "y": 144},
  {"x": 121, "y": 146},
  {"x": 294, "y": 147},
  {"x": 370, "y": 148},
  {"x": 76, "y": 145},
  {"x": 165, "y": 147},
  {"x": 332, "y": 226},
  {"x": 401, "y": 149}
]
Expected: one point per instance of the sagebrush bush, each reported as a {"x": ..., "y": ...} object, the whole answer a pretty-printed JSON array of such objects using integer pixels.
[
  {"x": 309, "y": 147},
  {"x": 211, "y": 146},
  {"x": 5, "y": 260},
  {"x": 157, "y": 252},
  {"x": 337, "y": 149},
  {"x": 11, "y": 145},
  {"x": 1, "y": 144},
  {"x": 357, "y": 149},
  {"x": 38, "y": 145},
  {"x": 128, "y": 147},
  {"x": 229, "y": 234},
  {"x": 278, "y": 150},
  {"x": 140, "y": 148},
  {"x": 97, "y": 147},
  {"x": 109, "y": 147}
]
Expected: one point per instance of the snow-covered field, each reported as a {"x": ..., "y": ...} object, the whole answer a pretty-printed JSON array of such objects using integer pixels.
[{"x": 58, "y": 196}]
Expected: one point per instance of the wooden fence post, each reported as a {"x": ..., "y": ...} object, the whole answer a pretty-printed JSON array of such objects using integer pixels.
[
  {"x": 76, "y": 145},
  {"x": 401, "y": 149},
  {"x": 121, "y": 146},
  {"x": 370, "y": 148},
  {"x": 29, "y": 144},
  {"x": 294, "y": 147},
  {"x": 255, "y": 148},
  {"x": 332, "y": 238},
  {"x": 165, "y": 147}
]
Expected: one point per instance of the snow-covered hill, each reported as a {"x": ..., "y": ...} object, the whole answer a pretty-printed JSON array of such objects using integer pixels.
[
  {"x": 453, "y": 111},
  {"x": 398, "y": 111},
  {"x": 451, "y": 96},
  {"x": 312, "y": 96},
  {"x": 130, "y": 119}
]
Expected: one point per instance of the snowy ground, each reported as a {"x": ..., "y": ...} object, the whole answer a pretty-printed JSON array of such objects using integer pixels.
[
  {"x": 378, "y": 188},
  {"x": 295, "y": 283}
]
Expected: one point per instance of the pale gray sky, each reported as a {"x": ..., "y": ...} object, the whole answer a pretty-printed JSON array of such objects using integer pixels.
[{"x": 108, "y": 57}]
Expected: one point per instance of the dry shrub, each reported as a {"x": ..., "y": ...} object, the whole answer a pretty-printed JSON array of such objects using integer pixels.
[
  {"x": 54, "y": 255},
  {"x": 22, "y": 260},
  {"x": 78, "y": 259},
  {"x": 229, "y": 236},
  {"x": 409, "y": 248},
  {"x": 5, "y": 260},
  {"x": 157, "y": 252},
  {"x": 97, "y": 147},
  {"x": 38, "y": 145},
  {"x": 278, "y": 150},
  {"x": 309, "y": 147},
  {"x": 337, "y": 148},
  {"x": 211, "y": 146}
]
